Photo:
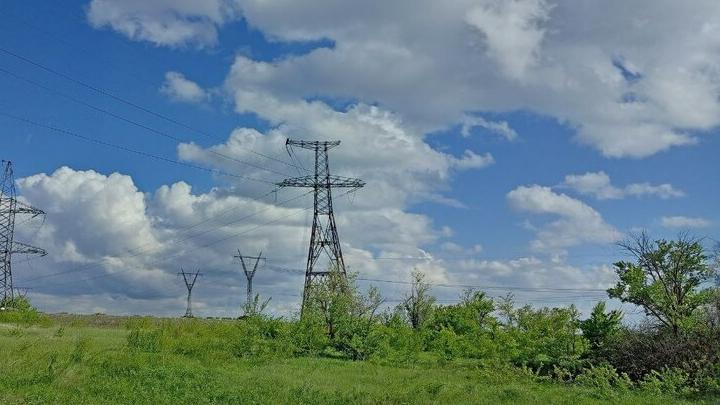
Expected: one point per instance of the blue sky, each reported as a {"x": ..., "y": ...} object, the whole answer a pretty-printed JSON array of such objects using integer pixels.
[{"x": 636, "y": 128}]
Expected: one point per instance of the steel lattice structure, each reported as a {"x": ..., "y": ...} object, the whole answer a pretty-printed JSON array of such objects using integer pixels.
[
  {"x": 9, "y": 208},
  {"x": 324, "y": 235},
  {"x": 189, "y": 279},
  {"x": 249, "y": 274}
]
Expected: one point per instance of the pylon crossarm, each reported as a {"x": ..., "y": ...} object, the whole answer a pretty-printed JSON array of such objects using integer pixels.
[
  {"x": 23, "y": 248},
  {"x": 326, "y": 181},
  {"x": 312, "y": 145},
  {"x": 22, "y": 208}
]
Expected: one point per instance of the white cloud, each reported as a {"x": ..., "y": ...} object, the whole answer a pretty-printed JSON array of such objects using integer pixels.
[
  {"x": 533, "y": 272},
  {"x": 501, "y": 128},
  {"x": 121, "y": 248},
  {"x": 452, "y": 247},
  {"x": 164, "y": 22},
  {"x": 105, "y": 214},
  {"x": 598, "y": 184},
  {"x": 543, "y": 60},
  {"x": 479, "y": 56},
  {"x": 684, "y": 222},
  {"x": 471, "y": 160},
  {"x": 512, "y": 32},
  {"x": 129, "y": 246},
  {"x": 578, "y": 222},
  {"x": 663, "y": 191},
  {"x": 178, "y": 88}
]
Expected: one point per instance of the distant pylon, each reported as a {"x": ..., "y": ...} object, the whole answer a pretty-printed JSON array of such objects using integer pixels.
[
  {"x": 189, "y": 279},
  {"x": 324, "y": 235},
  {"x": 9, "y": 208},
  {"x": 249, "y": 274}
]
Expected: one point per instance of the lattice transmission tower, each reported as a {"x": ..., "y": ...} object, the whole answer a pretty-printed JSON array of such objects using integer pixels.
[
  {"x": 9, "y": 208},
  {"x": 249, "y": 274},
  {"x": 189, "y": 279},
  {"x": 324, "y": 235}
]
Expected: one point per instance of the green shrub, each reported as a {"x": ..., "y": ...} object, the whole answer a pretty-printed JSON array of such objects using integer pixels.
[
  {"x": 19, "y": 311},
  {"x": 605, "y": 380},
  {"x": 668, "y": 381},
  {"x": 308, "y": 337},
  {"x": 449, "y": 345},
  {"x": 397, "y": 344}
]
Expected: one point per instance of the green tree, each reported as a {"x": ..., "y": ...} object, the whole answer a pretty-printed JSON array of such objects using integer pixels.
[
  {"x": 601, "y": 327},
  {"x": 546, "y": 336},
  {"x": 331, "y": 300},
  {"x": 419, "y": 304},
  {"x": 665, "y": 279},
  {"x": 468, "y": 316},
  {"x": 17, "y": 303},
  {"x": 348, "y": 316}
]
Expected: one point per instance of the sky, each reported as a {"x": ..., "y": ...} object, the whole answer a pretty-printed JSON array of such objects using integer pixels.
[{"x": 508, "y": 145}]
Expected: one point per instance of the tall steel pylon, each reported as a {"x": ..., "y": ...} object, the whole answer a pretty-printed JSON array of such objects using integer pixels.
[
  {"x": 324, "y": 235},
  {"x": 249, "y": 273},
  {"x": 189, "y": 279},
  {"x": 9, "y": 208}
]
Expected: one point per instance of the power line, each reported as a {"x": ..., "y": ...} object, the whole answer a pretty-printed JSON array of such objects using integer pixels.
[
  {"x": 477, "y": 286},
  {"x": 130, "y": 103},
  {"x": 458, "y": 300},
  {"x": 130, "y": 150},
  {"x": 129, "y": 121},
  {"x": 515, "y": 288}
]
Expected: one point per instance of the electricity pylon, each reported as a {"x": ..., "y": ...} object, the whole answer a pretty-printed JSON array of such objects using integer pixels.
[
  {"x": 249, "y": 274},
  {"x": 324, "y": 235},
  {"x": 189, "y": 279},
  {"x": 9, "y": 208}
]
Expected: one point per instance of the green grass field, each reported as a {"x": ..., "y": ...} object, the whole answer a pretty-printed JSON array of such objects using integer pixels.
[{"x": 88, "y": 360}]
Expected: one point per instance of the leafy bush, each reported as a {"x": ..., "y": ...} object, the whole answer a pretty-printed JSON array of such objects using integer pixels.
[
  {"x": 600, "y": 329},
  {"x": 308, "y": 337},
  {"x": 348, "y": 316},
  {"x": 448, "y": 344},
  {"x": 545, "y": 337},
  {"x": 605, "y": 380},
  {"x": 398, "y": 343},
  {"x": 669, "y": 380},
  {"x": 20, "y": 311}
]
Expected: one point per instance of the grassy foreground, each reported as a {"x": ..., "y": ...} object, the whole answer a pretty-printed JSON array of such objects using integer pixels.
[{"x": 71, "y": 361}]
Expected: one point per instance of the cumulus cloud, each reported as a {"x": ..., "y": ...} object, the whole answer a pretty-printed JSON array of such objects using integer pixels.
[
  {"x": 578, "y": 223},
  {"x": 533, "y": 272},
  {"x": 471, "y": 160},
  {"x": 105, "y": 214},
  {"x": 684, "y": 222},
  {"x": 118, "y": 249},
  {"x": 165, "y": 22},
  {"x": 598, "y": 184},
  {"x": 512, "y": 31},
  {"x": 501, "y": 128},
  {"x": 178, "y": 88},
  {"x": 640, "y": 83}
]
